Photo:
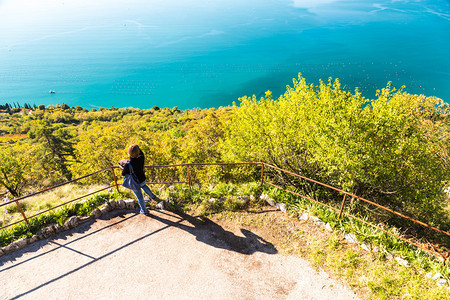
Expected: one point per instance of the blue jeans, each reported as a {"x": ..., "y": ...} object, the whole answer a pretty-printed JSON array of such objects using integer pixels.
[{"x": 140, "y": 197}]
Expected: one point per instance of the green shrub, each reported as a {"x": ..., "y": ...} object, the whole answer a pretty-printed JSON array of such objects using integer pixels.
[
  {"x": 392, "y": 149},
  {"x": 58, "y": 216}
]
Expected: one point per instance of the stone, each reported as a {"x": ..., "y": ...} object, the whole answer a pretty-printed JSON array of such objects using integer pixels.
[
  {"x": 212, "y": 200},
  {"x": 113, "y": 204},
  {"x": 10, "y": 248},
  {"x": 33, "y": 239},
  {"x": 120, "y": 204},
  {"x": 222, "y": 199},
  {"x": 429, "y": 275},
  {"x": 129, "y": 204},
  {"x": 105, "y": 209},
  {"x": 59, "y": 228},
  {"x": 376, "y": 249},
  {"x": 48, "y": 231},
  {"x": 1, "y": 251},
  {"x": 437, "y": 276},
  {"x": 401, "y": 261},
  {"x": 389, "y": 255},
  {"x": 282, "y": 207},
  {"x": 20, "y": 243},
  {"x": 96, "y": 213},
  {"x": 72, "y": 222},
  {"x": 304, "y": 216},
  {"x": 441, "y": 282},
  {"x": 267, "y": 199},
  {"x": 366, "y": 247},
  {"x": 328, "y": 227},
  {"x": 350, "y": 238},
  {"x": 85, "y": 219},
  {"x": 243, "y": 198},
  {"x": 163, "y": 205},
  {"x": 317, "y": 220}
]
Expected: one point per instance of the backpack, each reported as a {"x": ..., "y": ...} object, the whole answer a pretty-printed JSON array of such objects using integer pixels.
[{"x": 130, "y": 181}]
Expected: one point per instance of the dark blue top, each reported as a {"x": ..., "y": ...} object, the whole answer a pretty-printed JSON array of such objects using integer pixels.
[{"x": 138, "y": 167}]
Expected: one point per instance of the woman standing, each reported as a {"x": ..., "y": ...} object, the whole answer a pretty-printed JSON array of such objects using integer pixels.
[{"x": 137, "y": 163}]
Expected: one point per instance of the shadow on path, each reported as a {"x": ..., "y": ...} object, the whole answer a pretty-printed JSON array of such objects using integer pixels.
[
  {"x": 63, "y": 235},
  {"x": 211, "y": 233},
  {"x": 203, "y": 229}
]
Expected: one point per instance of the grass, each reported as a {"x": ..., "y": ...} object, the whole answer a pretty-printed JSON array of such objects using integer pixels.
[
  {"x": 10, "y": 213},
  {"x": 57, "y": 216}
]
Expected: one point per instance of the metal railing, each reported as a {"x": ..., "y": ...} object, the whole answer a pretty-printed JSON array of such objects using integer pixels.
[{"x": 263, "y": 166}]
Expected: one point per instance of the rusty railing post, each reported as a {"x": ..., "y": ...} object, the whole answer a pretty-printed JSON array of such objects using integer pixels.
[
  {"x": 23, "y": 214},
  {"x": 115, "y": 179},
  {"x": 262, "y": 174},
  {"x": 189, "y": 176},
  {"x": 342, "y": 206}
]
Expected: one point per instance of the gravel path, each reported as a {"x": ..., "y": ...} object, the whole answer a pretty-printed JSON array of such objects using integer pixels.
[{"x": 164, "y": 256}]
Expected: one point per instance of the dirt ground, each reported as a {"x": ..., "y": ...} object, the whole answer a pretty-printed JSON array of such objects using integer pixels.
[{"x": 124, "y": 255}]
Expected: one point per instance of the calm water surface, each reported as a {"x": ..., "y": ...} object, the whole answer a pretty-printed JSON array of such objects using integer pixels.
[{"x": 191, "y": 53}]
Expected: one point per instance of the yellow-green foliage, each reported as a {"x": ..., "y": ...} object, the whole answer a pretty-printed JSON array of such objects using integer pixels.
[{"x": 393, "y": 149}]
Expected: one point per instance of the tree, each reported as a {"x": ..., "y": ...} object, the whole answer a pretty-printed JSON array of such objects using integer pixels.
[
  {"x": 56, "y": 147},
  {"x": 14, "y": 169},
  {"x": 393, "y": 149}
]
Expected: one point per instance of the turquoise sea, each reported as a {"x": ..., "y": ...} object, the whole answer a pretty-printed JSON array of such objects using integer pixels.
[{"x": 191, "y": 53}]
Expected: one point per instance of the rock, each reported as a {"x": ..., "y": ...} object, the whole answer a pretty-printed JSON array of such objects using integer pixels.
[
  {"x": 105, "y": 208},
  {"x": 72, "y": 222},
  {"x": 163, "y": 205},
  {"x": 441, "y": 282},
  {"x": 267, "y": 199},
  {"x": 113, "y": 204},
  {"x": 1, "y": 251},
  {"x": 401, "y": 261},
  {"x": 252, "y": 198},
  {"x": 39, "y": 235},
  {"x": 222, "y": 199},
  {"x": 33, "y": 239},
  {"x": 304, "y": 216},
  {"x": 429, "y": 275},
  {"x": 48, "y": 231},
  {"x": 10, "y": 248},
  {"x": 121, "y": 204},
  {"x": 20, "y": 243},
  {"x": 96, "y": 213},
  {"x": 436, "y": 276},
  {"x": 85, "y": 219},
  {"x": 366, "y": 247},
  {"x": 282, "y": 207},
  {"x": 212, "y": 200},
  {"x": 58, "y": 228},
  {"x": 328, "y": 227},
  {"x": 350, "y": 238},
  {"x": 376, "y": 249},
  {"x": 317, "y": 221},
  {"x": 389, "y": 255},
  {"x": 243, "y": 198},
  {"x": 129, "y": 204}
]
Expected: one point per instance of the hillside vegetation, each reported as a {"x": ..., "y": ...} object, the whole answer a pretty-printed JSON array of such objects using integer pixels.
[{"x": 393, "y": 150}]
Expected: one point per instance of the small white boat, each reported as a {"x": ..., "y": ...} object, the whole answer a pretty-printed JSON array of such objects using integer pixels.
[{"x": 51, "y": 92}]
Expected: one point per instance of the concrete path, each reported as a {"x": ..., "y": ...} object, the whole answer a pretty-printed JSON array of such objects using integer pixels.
[{"x": 164, "y": 256}]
